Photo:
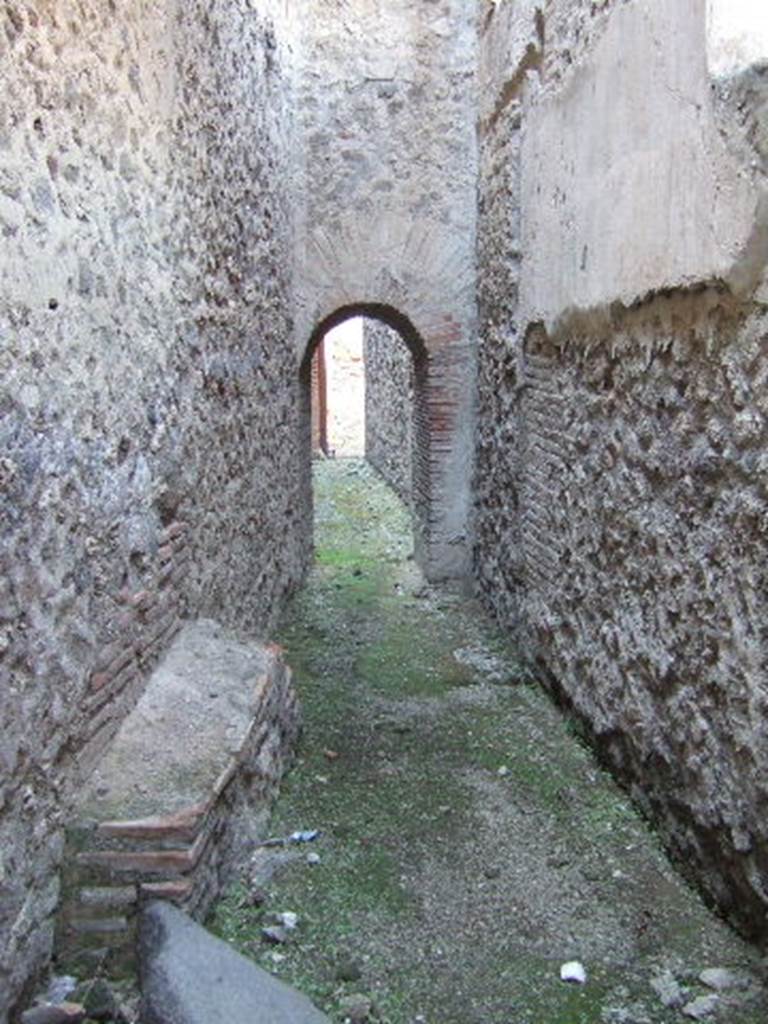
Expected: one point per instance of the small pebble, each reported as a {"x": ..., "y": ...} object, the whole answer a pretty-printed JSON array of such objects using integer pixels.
[
  {"x": 668, "y": 990},
  {"x": 721, "y": 979},
  {"x": 313, "y": 858},
  {"x": 574, "y": 972},
  {"x": 274, "y": 934},
  {"x": 701, "y": 1008}
]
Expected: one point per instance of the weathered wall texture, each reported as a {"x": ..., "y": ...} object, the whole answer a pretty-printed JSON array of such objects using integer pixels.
[
  {"x": 146, "y": 380},
  {"x": 389, "y": 382},
  {"x": 387, "y": 93},
  {"x": 622, "y": 516}
]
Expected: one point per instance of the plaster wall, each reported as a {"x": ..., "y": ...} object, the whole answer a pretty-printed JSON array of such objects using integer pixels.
[
  {"x": 147, "y": 381},
  {"x": 636, "y": 108},
  {"x": 621, "y": 507}
]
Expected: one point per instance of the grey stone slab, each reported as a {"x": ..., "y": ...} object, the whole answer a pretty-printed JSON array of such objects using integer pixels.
[
  {"x": 188, "y": 976},
  {"x": 191, "y": 719}
]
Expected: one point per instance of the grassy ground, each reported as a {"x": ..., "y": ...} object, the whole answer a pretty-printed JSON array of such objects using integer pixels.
[{"x": 469, "y": 843}]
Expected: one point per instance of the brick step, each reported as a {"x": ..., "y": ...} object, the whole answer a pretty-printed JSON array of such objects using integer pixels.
[{"x": 179, "y": 794}]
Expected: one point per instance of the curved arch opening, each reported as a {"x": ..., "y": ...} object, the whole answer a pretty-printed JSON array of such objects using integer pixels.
[{"x": 396, "y": 428}]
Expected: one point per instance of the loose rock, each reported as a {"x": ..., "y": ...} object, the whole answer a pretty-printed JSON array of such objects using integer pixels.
[
  {"x": 701, "y": 1008},
  {"x": 574, "y": 972},
  {"x": 668, "y": 990},
  {"x": 357, "y": 1009},
  {"x": 721, "y": 979},
  {"x": 276, "y": 935}
]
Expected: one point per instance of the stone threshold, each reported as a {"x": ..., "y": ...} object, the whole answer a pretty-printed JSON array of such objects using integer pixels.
[{"x": 182, "y": 793}]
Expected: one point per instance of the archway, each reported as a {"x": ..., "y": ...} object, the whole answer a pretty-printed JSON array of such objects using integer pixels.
[{"x": 419, "y": 484}]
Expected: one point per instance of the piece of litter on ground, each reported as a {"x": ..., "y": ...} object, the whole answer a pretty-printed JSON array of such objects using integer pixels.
[
  {"x": 503, "y": 770},
  {"x": 289, "y": 919},
  {"x": 574, "y": 972},
  {"x": 305, "y": 836},
  {"x": 313, "y": 858}
]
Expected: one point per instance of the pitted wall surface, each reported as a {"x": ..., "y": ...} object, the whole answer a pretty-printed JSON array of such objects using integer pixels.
[
  {"x": 389, "y": 406},
  {"x": 621, "y": 509},
  {"x": 147, "y": 408}
]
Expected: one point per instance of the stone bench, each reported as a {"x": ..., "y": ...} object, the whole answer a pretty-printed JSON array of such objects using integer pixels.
[{"x": 182, "y": 792}]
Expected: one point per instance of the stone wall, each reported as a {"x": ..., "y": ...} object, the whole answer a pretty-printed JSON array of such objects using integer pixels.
[
  {"x": 388, "y": 167},
  {"x": 147, "y": 380},
  {"x": 389, "y": 383},
  {"x": 621, "y": 501}
]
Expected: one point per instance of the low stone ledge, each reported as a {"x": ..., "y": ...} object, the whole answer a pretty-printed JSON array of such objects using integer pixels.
[{"x": 183, "y": 790}]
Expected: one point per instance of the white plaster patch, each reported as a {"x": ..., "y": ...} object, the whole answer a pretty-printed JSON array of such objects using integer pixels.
[
  {"x": 737, "y": 35},
  {"x": 627, "y": 186}
]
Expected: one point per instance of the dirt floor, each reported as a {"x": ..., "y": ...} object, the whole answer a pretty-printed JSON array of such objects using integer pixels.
[{"x": 469, "y": 844}]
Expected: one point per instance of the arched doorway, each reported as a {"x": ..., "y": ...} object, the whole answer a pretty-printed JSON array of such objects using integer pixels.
[{"x": 313, "y": 379}]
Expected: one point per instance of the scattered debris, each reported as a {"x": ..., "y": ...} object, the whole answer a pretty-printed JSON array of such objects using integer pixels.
[
  {"x": 356, "y": 1009},
  {"x": 59, "y": 988},
  {"x": 288, "y": 919},
  {"x": 721, "y": 979},
  {"x": 702, "y": 1007},
  {"x": 668, "y": 990},
  {"x": 305, "y": 836},
  {"x": 313, "y": 858},
  {"x": 275, "y": 935},
  {"x": 502, "y": 771},
  {"x": 573, "y": 971}
]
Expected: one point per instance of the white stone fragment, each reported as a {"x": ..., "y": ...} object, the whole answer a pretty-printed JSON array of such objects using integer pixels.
[
  {"x": 289, "y": 920},
  {"x": 701, "y": 1008},
  {"x": 668, "y": 990},
  {"x": 721, "y": 979},
  {"x": 573, "y": 971},
  {"x": 313, "y": 858}
]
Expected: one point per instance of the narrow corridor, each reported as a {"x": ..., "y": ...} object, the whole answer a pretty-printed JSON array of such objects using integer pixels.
[{"x": 468, "y": 845}]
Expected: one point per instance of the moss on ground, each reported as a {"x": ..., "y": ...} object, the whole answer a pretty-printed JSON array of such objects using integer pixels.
[{"x": 469, "y": 843}]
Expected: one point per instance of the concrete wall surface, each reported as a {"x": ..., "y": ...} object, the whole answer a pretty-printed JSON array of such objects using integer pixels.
[
  {"x": 621, "y": 505},
  {"x": 147, "y": 380}
]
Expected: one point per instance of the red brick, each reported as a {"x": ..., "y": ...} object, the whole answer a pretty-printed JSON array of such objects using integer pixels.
[
  {"x": 174, "y": 530},
  {"x": 176, "y": 892},
  {"x": 183, "y": 825},
  {"x": 165, "y": 552}
]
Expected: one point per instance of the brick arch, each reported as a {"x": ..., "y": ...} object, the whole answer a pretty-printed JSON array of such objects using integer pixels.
[
  {"x": 440, "y": 432},
  {"x": 420, "y": 461}
]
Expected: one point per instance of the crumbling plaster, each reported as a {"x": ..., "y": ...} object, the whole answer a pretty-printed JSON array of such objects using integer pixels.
[{"x": 636, "y": 109}]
